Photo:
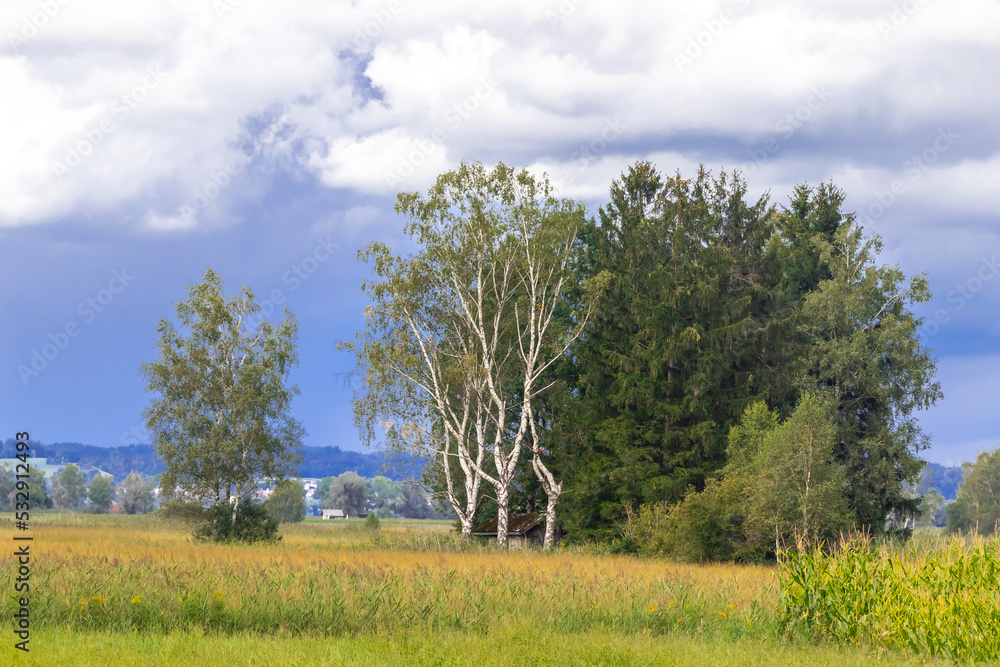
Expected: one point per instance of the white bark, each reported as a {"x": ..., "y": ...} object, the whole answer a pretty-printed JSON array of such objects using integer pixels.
[
  {"x": 501, "y": 296},
  {"x": 552, "y": 488}
]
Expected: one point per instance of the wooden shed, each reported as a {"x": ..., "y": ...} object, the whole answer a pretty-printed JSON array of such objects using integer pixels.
[{"x": 521, "y": 529}]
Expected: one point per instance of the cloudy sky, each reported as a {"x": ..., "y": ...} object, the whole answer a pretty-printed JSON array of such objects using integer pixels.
[{"x": 142, "y": 142}]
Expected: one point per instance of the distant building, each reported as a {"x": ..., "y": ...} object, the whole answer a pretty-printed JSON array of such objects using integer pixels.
[
  {"x": 521, "y": 529},
  {"x": 115, "y": 508},
  {"x": 334, "y": 514}
]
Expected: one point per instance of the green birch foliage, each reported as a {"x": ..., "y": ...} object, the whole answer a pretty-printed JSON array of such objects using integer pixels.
[
  {"x": 865, "y": 353},
  {"x": 445, "y": 347},
  {"x": 287, "y": 503},
  {"x": 798, "y": 493},
  {"x": 977, "y": 507},
  {"x": 782, "y": 486},
  {"x": 221, "y": 419}
]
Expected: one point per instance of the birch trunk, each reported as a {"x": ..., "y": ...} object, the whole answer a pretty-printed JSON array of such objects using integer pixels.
[
  {"x": 550, "y": 521},
  {"x": 466, "y": 521},
  {"x": 552, "y": 488},
  {"x": 503, "y": 514}
]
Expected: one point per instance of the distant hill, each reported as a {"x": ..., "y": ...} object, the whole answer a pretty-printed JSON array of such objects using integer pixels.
[
  {"x": 324, "y": 462},
  {"x": 943, "y": 478},
  {"x": 120, "y": 461}
]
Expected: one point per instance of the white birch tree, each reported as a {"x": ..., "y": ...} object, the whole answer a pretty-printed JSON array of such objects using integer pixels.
[
  {"x": 220, "y": 420},
  {"x": 461, "y": 333}
]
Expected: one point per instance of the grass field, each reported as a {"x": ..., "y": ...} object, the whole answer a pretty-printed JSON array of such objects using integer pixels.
[{"x": 136, "y": 590}]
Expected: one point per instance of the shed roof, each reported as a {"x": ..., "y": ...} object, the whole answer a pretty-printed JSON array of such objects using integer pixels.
[{"x": 519, "y": 524}]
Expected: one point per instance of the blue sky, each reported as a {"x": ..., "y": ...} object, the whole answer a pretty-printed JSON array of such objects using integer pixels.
[{"x": 143, "y": 142}]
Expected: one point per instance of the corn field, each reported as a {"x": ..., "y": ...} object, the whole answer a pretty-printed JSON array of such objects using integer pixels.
[{"x": 935, "y": 601}]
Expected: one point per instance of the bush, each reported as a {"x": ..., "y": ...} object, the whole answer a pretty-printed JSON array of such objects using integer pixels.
[
  {"x": 626, "y": 545},
  {"x": 252, "y": 524},
  {"x": 372, "y": 523},
  {"x": 694, "y": 530}
]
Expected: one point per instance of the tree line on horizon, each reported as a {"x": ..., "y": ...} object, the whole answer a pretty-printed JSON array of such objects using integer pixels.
[
  {"x": 69, "y": 489},
  {"x": 120, "y": 460}
]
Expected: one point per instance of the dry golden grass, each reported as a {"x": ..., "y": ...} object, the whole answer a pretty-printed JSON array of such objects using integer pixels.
[
  {"x": 338, "y": 578},
  {"x": 346, "y": 546}
]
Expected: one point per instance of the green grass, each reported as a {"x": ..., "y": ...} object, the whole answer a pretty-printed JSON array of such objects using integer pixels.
[
  {"x": 513, "y": 646},
  {"x": 132, "y": 590}
]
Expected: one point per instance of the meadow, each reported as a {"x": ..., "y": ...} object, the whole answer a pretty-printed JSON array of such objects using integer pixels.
[{"x": 137, "y": 590}]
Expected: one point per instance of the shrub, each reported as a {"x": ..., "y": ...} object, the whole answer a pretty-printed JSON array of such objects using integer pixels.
[
  {"x": 372, "y": 523},
  {"x": 694, "y": 530},
  {"x": 252, "y": 524}
]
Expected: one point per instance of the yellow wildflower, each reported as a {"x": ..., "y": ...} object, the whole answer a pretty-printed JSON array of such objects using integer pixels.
[
  {"x": 137, "y": 599},
  {"x": 680, "y": 620},
  {"x": 218, "y": 597},
  {"x": 652, "y": 607},
  {"x": 722, "y": 614}
]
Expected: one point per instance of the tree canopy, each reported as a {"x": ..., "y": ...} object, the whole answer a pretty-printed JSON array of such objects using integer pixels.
[
  {"x": 220, "y": 420},
  {"x": 717, "y": 302}
]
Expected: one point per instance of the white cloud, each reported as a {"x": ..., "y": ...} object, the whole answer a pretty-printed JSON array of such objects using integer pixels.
[{"x": 531, "y": 82}]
